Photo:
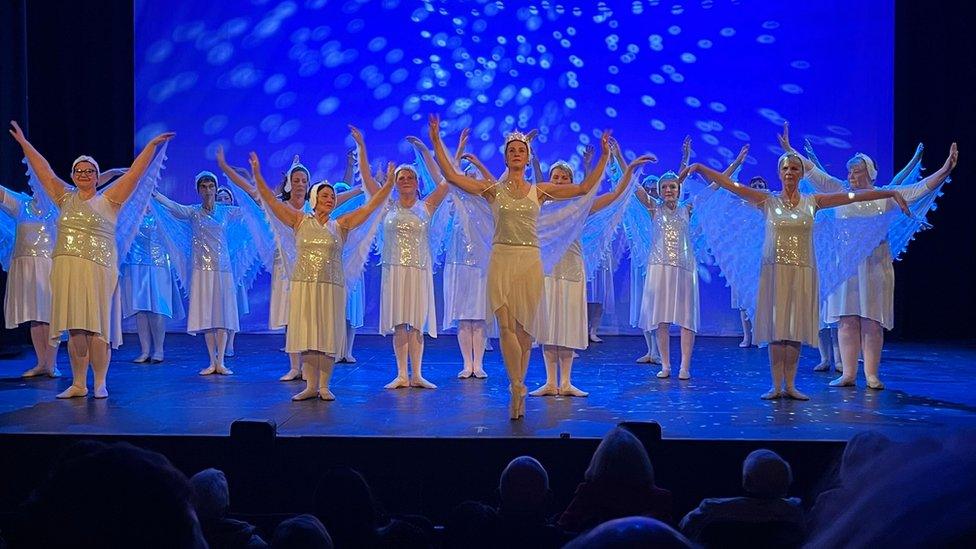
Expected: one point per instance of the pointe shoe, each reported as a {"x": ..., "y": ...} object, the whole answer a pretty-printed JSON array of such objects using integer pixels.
[
  {"x": 842, "y": 382},
  {"x": 876, "y": 384},
  {"x": 479, "y": 373},
  {"x": 525, "y": 392},
  {"x": 822, "y": 367},
  {"x": 326, "y": 394},
  {"x": 141, "y": 359},
  {"x": 772, "y": 394},
  {"x": 421, "y": 383},
  {"x": 664, "y": 373},
  {"x": 545, "y": 390},
  {"x": 465, "y": 373},
  {"x": 595, "y": 338},
  {"x": 305, "y": 394},
  {"x": 794, "y": 394},
  {"x": 571, "y": 391},
  {"x": 397, "y": 383},
  {"x": 73, "y": 392},
  {"x": 224, "y": 371},
  {"x": 290, "y": 376},
  {"x": 209, "y": 370},
  {"x": 684, "y": 374},
  {"x": 101, "y": 392}
]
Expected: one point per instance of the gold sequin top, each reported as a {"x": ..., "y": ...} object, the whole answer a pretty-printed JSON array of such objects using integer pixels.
[
  {"x": 789, "y": 231},
  {"x": 33, "y": 236},
  {"x": 516, "y": 218},
  {"x": 210, "y": 249},
  {"x": 319, "y": 252},
  {"x": 86, "y": 229},
  {"x": 570, "y": 266},
  {"x": 671, "y": 245},
  {"x": 405, "y": 240},
  {"x": 147, "y": 247}
]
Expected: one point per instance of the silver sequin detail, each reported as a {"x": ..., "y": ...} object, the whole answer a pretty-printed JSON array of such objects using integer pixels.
[
  {"x": 33, "y": 235},
  {"x": 210, "y": 251},
  {"x": 319, "y": 251},
  {"x": 570, "y": 266},
  {"x": 671, "y": 245},
  {"x": 405, "y": 240},
  {"x": 84, "y": 232},
  {"x": 147, "y": 247},
  {"x": 789, "y": 232}
]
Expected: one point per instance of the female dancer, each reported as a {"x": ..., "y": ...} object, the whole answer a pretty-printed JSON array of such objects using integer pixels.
[
  {"x": 565, "y": 295},
  {"x": 407, "y": 299},
  {"x": 515, "y": 279},
  {"x": 317, "y": 312},
  {"x": 863, "y": 305},
  {"x": 84, "y": 271},
  {"x": 28, "y": 243},
  {"x": 635, "y": 226},
  {"x": 787, "y": 302},
  {"x": 226, "y": 198},
  {"x": 759, "y": 183}
]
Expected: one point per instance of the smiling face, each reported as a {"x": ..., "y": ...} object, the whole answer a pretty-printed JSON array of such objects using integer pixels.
[
  {"x": 325, "y": 200},
  {"x": 406, "y": 182},
  {"x": 207, "y": 189},
  {"x": 857, "y": 173},
  {"x": 516, "y": 154},
  {"x": 84, "y": 175},
  {"x": 669, "y": 189},
  {"x": 560, "y": 176},
  {"x": 790, "y": 173}
]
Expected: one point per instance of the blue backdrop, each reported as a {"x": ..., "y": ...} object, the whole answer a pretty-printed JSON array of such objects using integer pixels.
[{"x": 286, "y": 77}]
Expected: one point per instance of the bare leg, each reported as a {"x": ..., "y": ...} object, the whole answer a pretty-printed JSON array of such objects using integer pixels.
[
  {"x": 835, "y": 339},
  {"x": 550, "y": 356},
  {"x": 416, "y": 351},
  {"x": 791, "y": 359},
  {"x": 326, "y": 367},
  {"x": 310, "y": 364},
  {"x": 78, "y": 356},
  {"x": 157, "y": 327},
  {"x": 211, "y": 339},
  {"x": 478, "y": 330},
  {"x": 849, "y": 333},
  {"x": 823, "y": 345},
  {"x": 566, "y": 387},
  {"x": 595, "y": 317},
  {"x": 101, "y": 354},
  {"x": 401, "y": 344},
  {"x": 145, "y": 337},
  {"x": 776, "y": 370},
  {"x": 350, "y": 339},
  {"x": 664, "y": 346},
  {"x": 295, "y": 368},
  {"x": 465, "y": 343},
  {"x": 872, "y": 335},
  {"x": 746, "y": 329},
  {"x": 46, "y": 353},
  {"x": 687, "y": 345}
]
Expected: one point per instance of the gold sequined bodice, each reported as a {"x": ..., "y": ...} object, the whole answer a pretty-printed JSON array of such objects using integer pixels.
[
  {"x": 405, "y": 240},
  {"x": 319, "y": 252},
  {"x": 86, "y": 229},
  {"x": 516, "y": 218},
  {"x": 789, "y": 231},
  {"x": 671, "y": 245}
]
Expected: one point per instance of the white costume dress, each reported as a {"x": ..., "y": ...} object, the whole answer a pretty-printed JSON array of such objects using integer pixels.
[
  {"x": 465, "y": 280},
  {"x": 317, "y": 312},
  {"x": 28, "y": 245},
  {"x": 407, "y": 294},
  {"x": 565, "y": 302},
  {"x": 279, "y": 302},
  {"x": 147, "y": 278},
  {"x": 671, "y": 280}
]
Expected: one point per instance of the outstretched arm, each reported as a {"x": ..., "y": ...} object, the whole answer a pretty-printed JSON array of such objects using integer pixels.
[
  {"x": 343, "y": 197},
  {"x": 284, "y": 212},
  {"x": 588, "y": 152},
  {"x": 125, "y": 185},
  {"x": 713, "y": 176},
  {"x": 560, "y": 192},
  {"x": 235, "y": 177},
  {"x": 606, "y": 199},
  {"x": 811, "y": 155},
  {"x": 371, "y": 185},
  {"x": 347, "y": 173},
  {"x": 933, "y": 181},
  {"x": 832, "y": 200},
  {"x": 178, "y": 210},
  {"x": 685, "y": 153},
  {"x": 743, "y": 152},
  {"x": 359, "y": 216},
  {"x": 916, "y": 158},
  {"x": 821, "y": 180},
  {"x": 54, "y": 186},
  {"x": 451, "y": 173}
]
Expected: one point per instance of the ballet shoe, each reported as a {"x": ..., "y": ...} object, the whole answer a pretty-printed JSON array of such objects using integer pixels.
[
  {"x": 397, "y": 383},
  {"x": 326, "y": 394},
  {"x": 54, "y": 373},
  {"x": 664, "y": 373},
  {"x": 772, "y": 394},
  {"x": 421, "y": 383},
  {"x": 156, "y": 359},
  {"x": 224, "y": 371},
  {"x": 745, "y": 344},
  {"x": 340, "y": 360},
  {"x": 305, "y": 394},
  {"x": 73, "y": 392},
  {"x": 794, "y": 394},
  {"x": 595, "y": 338},
  {"x": 839, "y": 368},
  {"x": 229, "y": 353},
  {"x": 38, "y": 371},
  {"x": 684, "y": 374},
  {"x": 646, "y": 359},
  {"x": 290, "y": 376},
  {"x": 571, "y": 391},
  {"x": 282, "y": 349},
  {"x": 525, "y": 392},
  {"x": 841, "y": 382},
  {"x": 575, "y": 354},
  {"x": 822, "y": 367},
  {"x": 101, "y": 392},
  {"x": 209, "y": 370},
  {"x": 876, "y": 384},
  {"x": 545, "y": 390},
  {"x": 655, "y": 359},
  {"x": 141, "y": 359},
  {"x": 350, "y": 359},
  {"x": 465, "y": 373},
  {"x": 513, "y": 407},
  {"x": 479, "y": 373}
]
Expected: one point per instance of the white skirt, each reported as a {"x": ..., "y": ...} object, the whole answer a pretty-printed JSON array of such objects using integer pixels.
[
  {"x": 28, "y": 297},
  {"x": 565, "y": 312},
  {"x": 213, "y": 302},
  {"x": 465, "y": 294},
  {"x": 317, "y": 318},
  {"x": 407, "y": 297},
  {"x": 637, "y": 280},
  {"x": 787, "y": 307},
  {"x": 601, "y": 289},
  {"x": 356, "y": 304},
  {"x": 670, "y": 296},
  {"x": 85, "y": 296},
  {"x": 243, "y": 307},
  {"x": 149, "y": 288},
  {"x": 868, "y": 294},
  {"x": 278, "y": 312}
]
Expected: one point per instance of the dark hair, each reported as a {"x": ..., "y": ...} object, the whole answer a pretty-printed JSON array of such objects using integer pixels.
[{"x": 286, "y": 194}]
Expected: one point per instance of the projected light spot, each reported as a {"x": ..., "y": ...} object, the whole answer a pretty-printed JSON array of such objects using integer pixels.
[
  {"x": 674, "y": 30},
  {"x": 704, "y": 44},
  {"x": 158, "y": 52},
  {"x": 613, "y": 88},
  {"x": 657, "y": 124},
  {"x": 717, "y": 107},
  {"x": 770, "y": 25},
  {"x": 765, "y": 39},
  {"x": 220, "y": 54},
  {"x": 800, "y": 64},
  {"x": 792, "y": 88},
  {"x": 327, "y": 106},
  {"x": 839, "y": 130},
  {"x": 693, "y": 102},
  {"x": 657, "y": 78},
  {"x": 285, "y": 100},
  {"x": 740, "y": 135},
  {"x": 727, "y": 32},
  {"x": 245, "y": 135},
  {"x": 837, "y": 142},
  {"x": 688, "y": 57},
  {"x": 611, "y": 112},
  {"x": 274, "y": 83},
  {"x": 270, "y": 123},
  {"x": 377, "y": 44}
]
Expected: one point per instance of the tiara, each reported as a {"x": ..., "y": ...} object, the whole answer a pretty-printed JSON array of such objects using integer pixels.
[{"x": 516, "y": 135}]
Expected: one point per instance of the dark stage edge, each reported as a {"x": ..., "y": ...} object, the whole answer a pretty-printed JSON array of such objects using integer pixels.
[{"x": 931, "y": 391}]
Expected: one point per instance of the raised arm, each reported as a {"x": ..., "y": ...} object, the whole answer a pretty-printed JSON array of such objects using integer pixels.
[
  {"x": 451, "y": 173},
  {"x": 285, "y": 213},
  {"x": 560, "y": 192},
  {"x": 178, "y": 210},
  {"x": 462, "y": 144},
  {"x": 536, "y": 165},
  {"x": 359, "y": 216},
  {"x": 347, "y": 173},
  {"x": 820, "y": 179},
  {"x": 54, "y": 186},
  {"x": 933, "y": 181},
  {"x": 371, "y": 185},
  {"x": 916, "y": 158},
  {"x": 739, "y": 159},
  {"x": 588, "y": 152},
  {"x": 119, "y": 192},
  {"x": 606, "y": 199},
  {"x": 343, "y": 197},
  {"x": 812, "y": 155},
  {"x": 685, "y": 153},
  {"x": 754, "y": 196},
  {"x": 434, "y": 199},
  {"x": 235, "y": 177}
]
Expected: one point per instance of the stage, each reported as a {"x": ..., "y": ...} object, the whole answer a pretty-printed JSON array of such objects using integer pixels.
[{"x": 931, "y": 391}]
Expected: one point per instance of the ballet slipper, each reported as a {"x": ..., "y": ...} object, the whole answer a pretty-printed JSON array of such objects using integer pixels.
[
  {"x": 772, "y": 394},
  {"x": 141, "y": 359},
  {"x": 839, "y": 368},
  {"x": 571, "y": 391},
  {"x": 350, "y": 359},
  {"x": 101, "y": 391},
  {"x": 326, "y": 394},
  {"x": 791, "y": 392},
  {"x": 745, "y": 344},
  {"x": 646, "y": 359},
  {"x": 595, "y": 338},
  {"x": 875, "y": 383},
  {"x": 655, "y": 359},
  {"x": 397, "y": 383},
  {"x": 229, "y": 353},
  {"x": 420, "y": 382},
  {"x": 479, "y": 373},
  {"x": 664, "y": 373},
  {"x": 306, "y": 393},
  {"x": 224, "y": 371},
  {"x": 545, "y": 390},
  {"x": 842, "y": 382},
  {"x": 822, "y": 367},
  {"x": 37, "y": 371},
  {"x": 290, "y": 376},
  {"x": 73, "y": 392},
  {"x": 54, "y": 372},
  {"x": 156, "y": 359},
  {"x": 684, "y": 374},
  {"x": 209, "y": 370},
  {"x": 575, "y": 354},
  {"x": 465, "y": 373}
]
